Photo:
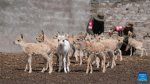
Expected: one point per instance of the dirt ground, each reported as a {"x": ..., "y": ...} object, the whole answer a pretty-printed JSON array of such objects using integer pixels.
[{"x": 125, "y": 72}]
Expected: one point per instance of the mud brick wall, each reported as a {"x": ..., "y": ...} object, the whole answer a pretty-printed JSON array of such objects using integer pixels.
[
  {"x": 118, "y": 13},
  {"x": 29, "y": 17}
]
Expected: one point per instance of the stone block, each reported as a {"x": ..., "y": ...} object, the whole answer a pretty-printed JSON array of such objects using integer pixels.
[
  {"x": 143, "y": 18},
  {"x": 108, "y": 24},
  {"x": 115, "y": 10},
  {"x": 114, "y": 23},
  {"x": 95, "y": 5},
  {"x": 119, "y": 5},
  {"x": 148, "y": 18},
  {"x": 93, "y": 10},
  {"x": 110, "y": 5},
  {"x": 139, "y": 24},
  {"x": 94, "y": 1},
  {"x": 103, "y": 5},
  {"x": 121, "y": 23},
  {"x": 107, "y": 11},
  {"x": 122, "y": 11},
  {"x": 128, "y": 5},
  {"x": 148, "y": 4},
  {"x": 148, "y": 11},
  {"x": 141, "y": 11},
  {"x": 144, "y": 5},
  {"x": 118, "y": 18},
  {"x": 112, "y": 11},
  {"x": 132, "y": 12},
  {"x": 136, "y": 5},
  {"x": 126, "y": 18},
  {"x": 99, "y": 10},
  {"x": 147, "y": 24},
  {"x": 109, "y": 18},
  {"x": 140, "y": 32},
  {"x": 135, "y": 18},
  {"x": 126, "y": 0}
]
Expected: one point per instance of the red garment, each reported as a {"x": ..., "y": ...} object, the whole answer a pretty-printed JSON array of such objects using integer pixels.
[
  {"x": 119, "y": 28},
  {"x": 90, "y": 25}
]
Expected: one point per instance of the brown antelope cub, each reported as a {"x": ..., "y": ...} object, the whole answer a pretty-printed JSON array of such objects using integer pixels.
[
  {"x": 136, "y": 44},
  {"x": 92, "y": 49},
  {"x": 35, "y": 49}
]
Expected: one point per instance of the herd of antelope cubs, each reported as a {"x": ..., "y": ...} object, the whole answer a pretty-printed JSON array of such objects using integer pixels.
[{"x": 65, "y": 46}]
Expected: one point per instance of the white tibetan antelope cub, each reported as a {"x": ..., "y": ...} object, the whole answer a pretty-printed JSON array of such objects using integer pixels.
[{"x": 63, "y": 48}]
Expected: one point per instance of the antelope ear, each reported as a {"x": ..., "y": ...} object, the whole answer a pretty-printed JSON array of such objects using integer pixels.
[
  {"x": 123, "y": 37},
  {"x": 74, "y": 42},
  {"x": 42, "y": 32},
  {"x": 65, "y": 35},
  {"x": 43, "y": 37},
  {"x": 95, "y": 35},
  {"x": 58, "y": 32},
  {"x": 63, "y": 32},
  {"x": 67, "y": 32},
  {"x": 88, "y": 34},
  {"x": 22, "y": 36},
  {"x": 84, "y": 35},
  {"x": 102, "y": 33},
  {"x": 72, "y": 36}
]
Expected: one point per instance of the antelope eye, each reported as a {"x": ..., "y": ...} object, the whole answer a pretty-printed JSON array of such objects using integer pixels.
[
  {"x": 63, "y": 40},
  {"x": 78, "y": 39},
  {"x": 39, "y": 41},
  {"x": 58, "y": 39},
  {"x": 91, "y": 38},
  {"x": 18, "y": 40}
]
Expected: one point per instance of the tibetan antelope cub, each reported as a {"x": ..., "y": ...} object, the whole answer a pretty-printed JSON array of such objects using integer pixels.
[
  {"x": 63, "y": 48},
  {"x": 70, "y": 40},
  {"x": 52, "y": 45},
  {"x": 46, "y": 39},
  {"x": 92, "y": 49},
  {"x": 78, "y": 50},
  {"x": 111, "y": 46},
  {"x": 136, "y": 44},
  {"x": 35, "y": 49}
]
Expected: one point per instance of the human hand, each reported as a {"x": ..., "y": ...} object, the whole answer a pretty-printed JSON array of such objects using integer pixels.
[
  {"x": 126, "y": 49},
  {"x": 111, "y": 32}
]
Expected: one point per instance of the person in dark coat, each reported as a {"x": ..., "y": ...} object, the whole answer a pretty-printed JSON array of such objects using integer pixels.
[
  {"x": 123, "y": 31},
  {"x": 96, "y": 24}
]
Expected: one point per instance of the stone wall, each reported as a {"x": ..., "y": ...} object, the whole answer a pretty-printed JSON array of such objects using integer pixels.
[
  {"x": 118, "y": 13},
  {"x": 29, "y": 17}
]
